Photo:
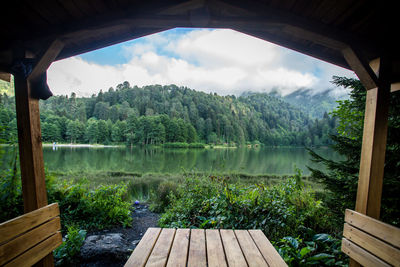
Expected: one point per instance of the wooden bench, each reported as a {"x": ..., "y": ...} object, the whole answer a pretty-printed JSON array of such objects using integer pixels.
[
  {"x": 28, "y": 238},
  {"x": 370, "y": 242},
  {"x": 198, "y": 247}
]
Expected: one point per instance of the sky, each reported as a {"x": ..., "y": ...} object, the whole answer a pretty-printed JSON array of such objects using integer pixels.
[{"x": 221, "y": 61}]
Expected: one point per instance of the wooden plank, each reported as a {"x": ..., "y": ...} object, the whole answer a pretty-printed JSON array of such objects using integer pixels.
[
  {"x": 38, "y": 252},
  {"x": 267, "y": 249},
  {"x": 233, "y": 252},
  {"x": 361, "y": 255},
  {"x": 362, "y": 68},
  {"x": 197, "y": 249},
  {"x": 31, "y": 238},
  {"x": 375, "y": 246},
  {"x": 249, "y": 248},
  {"x": 23, "y": 223},
  {"x": 215, "y": 250},
  {"x": 159, "y": 255},
  {"x": 373, "y": 150},
  {"x": 143, "y": 249},
  {"x": 381, "y": 230},
  {"x": 179, "y": 251}
]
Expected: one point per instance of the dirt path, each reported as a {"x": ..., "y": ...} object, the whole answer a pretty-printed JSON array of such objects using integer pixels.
[{"x": 143, "y": 218}]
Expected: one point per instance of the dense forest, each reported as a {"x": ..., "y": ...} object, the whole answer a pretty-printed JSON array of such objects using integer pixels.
[{"x": 157, "y": 114}]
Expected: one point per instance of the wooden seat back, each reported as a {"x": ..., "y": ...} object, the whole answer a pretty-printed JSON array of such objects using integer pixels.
[
  {"x": 28, "y": 238},
  {"x": 370, "y": 242}
]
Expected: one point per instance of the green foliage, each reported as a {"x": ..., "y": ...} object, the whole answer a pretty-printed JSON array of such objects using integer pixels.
[
  {"x": 67, "y": 253},
  {"x": 283, "y": 212},
  {"x": 341, "y": 177},
  {"x": 92, "y": 209},
  {"x": 161, "y": 198},
  {"x": 158, "y": 114},
  {"x": 319, "y": 250},
  {"x": 213, "y": 202}
]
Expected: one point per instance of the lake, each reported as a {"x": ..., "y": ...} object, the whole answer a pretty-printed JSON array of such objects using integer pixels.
[{"x": 259, "y": 161}]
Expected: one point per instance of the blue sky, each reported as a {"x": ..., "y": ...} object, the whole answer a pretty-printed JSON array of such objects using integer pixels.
[{"x": 211, "y": 60}]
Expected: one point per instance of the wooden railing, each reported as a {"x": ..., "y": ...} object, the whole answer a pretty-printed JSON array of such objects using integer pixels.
[
  {"x": 370, "y": 242},
  {"x": 29, "y": 238}
]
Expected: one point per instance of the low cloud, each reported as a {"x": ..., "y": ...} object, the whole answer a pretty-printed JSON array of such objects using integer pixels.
[{"x": 221, "y": 61}]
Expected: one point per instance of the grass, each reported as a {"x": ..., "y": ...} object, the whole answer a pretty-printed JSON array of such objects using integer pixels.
[{"x": 141, "y": 185}]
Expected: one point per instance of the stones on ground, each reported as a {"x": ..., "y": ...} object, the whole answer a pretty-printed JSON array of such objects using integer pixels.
[{"x": 105, "y": 246}]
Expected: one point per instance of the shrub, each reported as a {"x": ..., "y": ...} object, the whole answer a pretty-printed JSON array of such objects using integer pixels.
[
  {"x": 279, "y": 210},
  {"x": 319, "y": 250},
  {"x": 176, "y": 145},
  {"x": 67, "y": 254},
  {"x": 161, "y": 198},
  {"x": 93, "y": 209},
  {"x": 196, "y": 145}
]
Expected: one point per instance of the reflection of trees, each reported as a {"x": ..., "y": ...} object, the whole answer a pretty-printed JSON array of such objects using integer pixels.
[{"x": 156, "y": 160}]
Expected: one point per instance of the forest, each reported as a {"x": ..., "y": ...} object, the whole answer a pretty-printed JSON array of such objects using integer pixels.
[{"x": 158, "y": 114}]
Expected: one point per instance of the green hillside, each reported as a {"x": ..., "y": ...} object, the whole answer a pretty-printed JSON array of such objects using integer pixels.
[{"x": 157, "y": 114}]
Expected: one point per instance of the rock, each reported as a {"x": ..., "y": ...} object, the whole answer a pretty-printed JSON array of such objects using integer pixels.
[{"x": 111, "y": 246}]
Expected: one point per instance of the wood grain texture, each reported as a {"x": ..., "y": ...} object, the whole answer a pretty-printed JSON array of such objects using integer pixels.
[
  {"x": 233, "y": 252},
  {"x": 38, "y": 252},
  {"x": 197, "y": 249},
  {"x": 143, "y": 249},
  {"x": 179, "y": 251},
  {"x": 381, "y": 230},
  {"x": 360, "y": 255},
  {"x": 23, "y": 223},
  {"x": 215, "y": 250},
  {"x": 159, "y": 255},
  {"x": 377, "y": 247},
  {"x": 373, "y": 150},
  {"x": 267, "y": 249},
  {"x": 250, "y": 250},
  {"x": 29, "y": 239},
  {"x": 30, "y": 146}
]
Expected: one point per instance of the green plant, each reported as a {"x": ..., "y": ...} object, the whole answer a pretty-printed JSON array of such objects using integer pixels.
[
  {"x": 93, "y": 209},
  {"x": 67, "y": 253},
  {"x": 320, "y": 250},
  {"x": 162, "y": 196}
]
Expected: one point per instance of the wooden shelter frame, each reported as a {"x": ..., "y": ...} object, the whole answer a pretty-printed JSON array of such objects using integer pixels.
[{"x": 29, "y": 56}]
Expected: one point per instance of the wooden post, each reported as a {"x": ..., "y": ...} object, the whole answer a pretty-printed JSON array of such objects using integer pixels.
[
  {"x": 370, "y": 181},
  {"x": 30, "y": 151},
  {"x": 373, "y": 150},
  {"x": 30, "y": 138}
]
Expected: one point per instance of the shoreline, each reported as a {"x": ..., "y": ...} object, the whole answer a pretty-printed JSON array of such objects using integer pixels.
[{"x": 80, "y": 145}]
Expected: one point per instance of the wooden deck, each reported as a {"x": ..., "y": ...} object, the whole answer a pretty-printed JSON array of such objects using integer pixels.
[{"x": 198, "y": 247}]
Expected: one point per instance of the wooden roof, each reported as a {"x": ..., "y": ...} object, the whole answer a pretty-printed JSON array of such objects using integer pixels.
[{"x": 319, "y": 28}]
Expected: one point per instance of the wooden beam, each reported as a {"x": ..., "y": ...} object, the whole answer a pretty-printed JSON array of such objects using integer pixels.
[
  {"x": 373, "y": 150},
  {"x": 305, "y": 28},
  {"x": 5, "y": 76},
  {"x": 374, "y": 64},
  {"x": 361, "y": 67},
  {"x": 45, "y": 59}
]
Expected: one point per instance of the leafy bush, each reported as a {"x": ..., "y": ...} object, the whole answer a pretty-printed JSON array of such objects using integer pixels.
[
  {"x": 161, "y": 198},
  {"x": 176, "y": 145},
  {"x": 92, "y": 209},
  {"x": 320, "y": 250},
  {"x": 279, "y": 210},
  {"x": 282, "y": 210},
  {"x": 196, "y": 145},
  {"x": 67, "y": 253}
]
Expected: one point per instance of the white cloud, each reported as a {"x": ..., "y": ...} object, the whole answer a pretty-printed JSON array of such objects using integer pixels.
[{"x": 222, "y": 61}]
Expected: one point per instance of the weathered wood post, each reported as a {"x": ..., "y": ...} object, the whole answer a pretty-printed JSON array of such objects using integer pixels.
[
  {"x": 29, "y": 132},
  {"x": 370, "y": 181}
]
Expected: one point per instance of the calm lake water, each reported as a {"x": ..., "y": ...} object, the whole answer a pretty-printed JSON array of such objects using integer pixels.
[{"x": 158, "y": 160}]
